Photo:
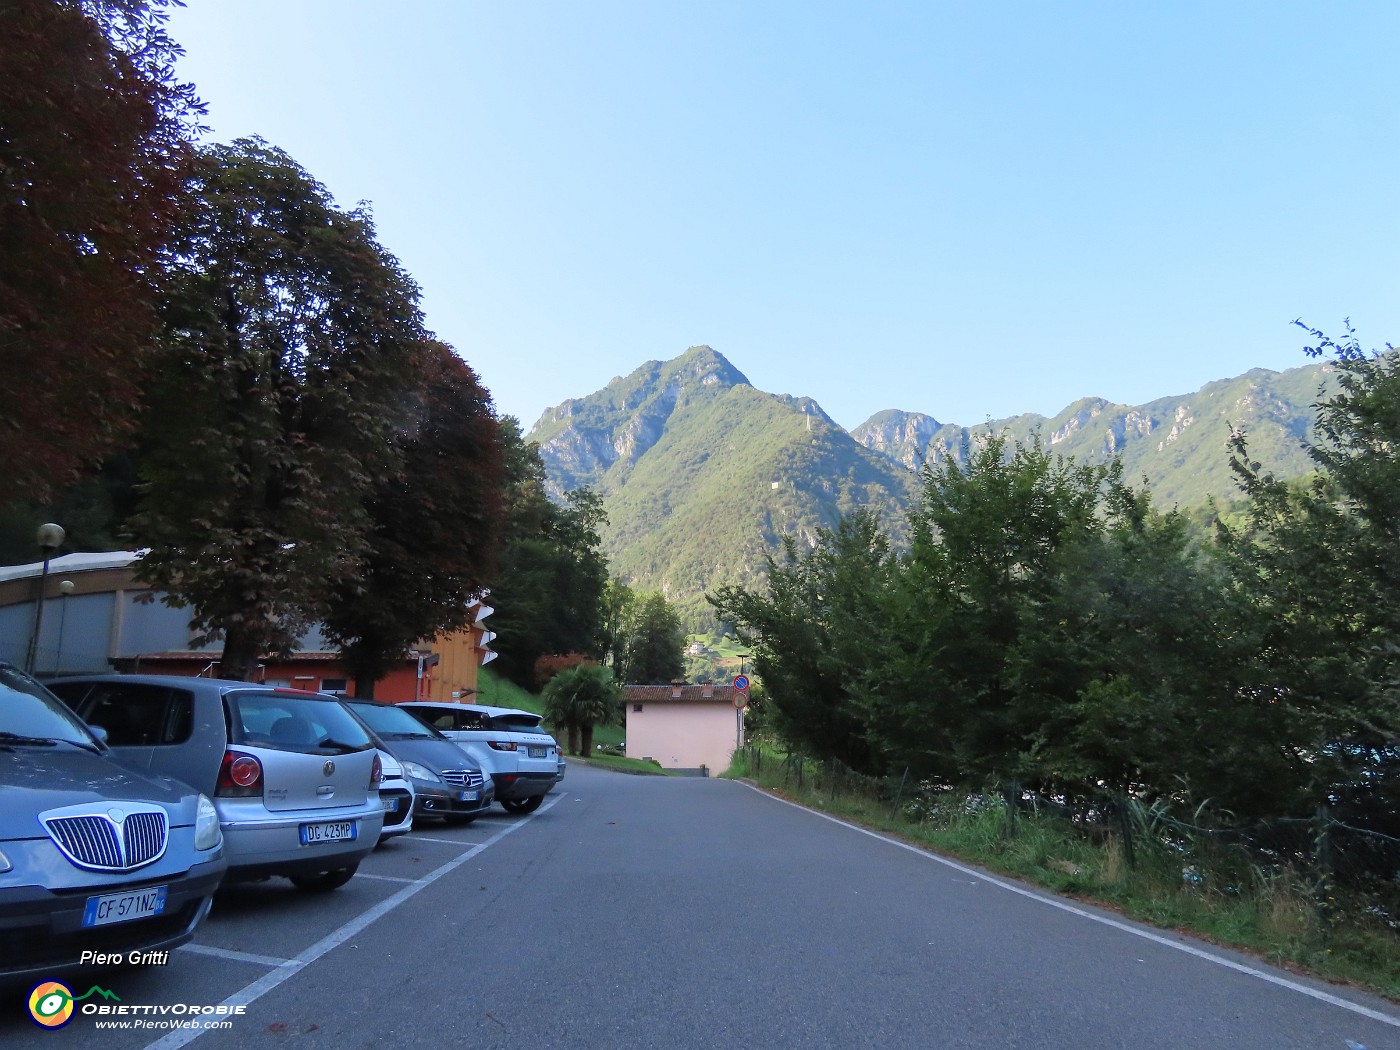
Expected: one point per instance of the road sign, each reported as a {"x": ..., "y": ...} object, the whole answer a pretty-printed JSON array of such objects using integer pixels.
[{"x": 741, "y": 683}]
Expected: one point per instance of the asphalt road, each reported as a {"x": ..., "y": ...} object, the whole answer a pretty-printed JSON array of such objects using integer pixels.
[{"x": 688, "y": 913}]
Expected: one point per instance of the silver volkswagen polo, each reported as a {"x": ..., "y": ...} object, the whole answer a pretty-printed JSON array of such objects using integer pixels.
[{"x": 294, "y": 778}]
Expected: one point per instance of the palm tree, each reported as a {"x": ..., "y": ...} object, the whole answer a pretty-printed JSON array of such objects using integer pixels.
[{"x": 578, "y": 699}]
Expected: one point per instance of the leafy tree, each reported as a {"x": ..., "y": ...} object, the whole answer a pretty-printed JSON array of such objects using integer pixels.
[
  {"x": 618, "y": 600},
  {"x": 550, "y": 590},
  {"x": 436, "y": 526},
  {"x": 655, "y": 641},
  {"x": 93, "y": 153},
  {"x": 1130, "y": 661},
  {"x": 290, "y": 342},
  {"x": 1320, "y": 566},
  {"x": 802, "y": 634},
  {"x": 988, "y": 536},
  {"x": 579, "y": 699}
]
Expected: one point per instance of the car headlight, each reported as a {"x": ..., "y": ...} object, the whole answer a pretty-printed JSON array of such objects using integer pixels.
[
  {"x": 5, "y": 864},
  {"x": 206, "y": 825},
  {"x": 417, "y": 772}
]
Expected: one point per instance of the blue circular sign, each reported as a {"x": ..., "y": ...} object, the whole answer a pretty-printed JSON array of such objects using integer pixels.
[{"x": 741, "y": 682}]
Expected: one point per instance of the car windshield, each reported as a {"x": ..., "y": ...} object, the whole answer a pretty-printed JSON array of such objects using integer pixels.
[
  {"x": 293, "y": 722},
  {"x": 32, "y": 716},
  {"x": 393, "y": 723}
]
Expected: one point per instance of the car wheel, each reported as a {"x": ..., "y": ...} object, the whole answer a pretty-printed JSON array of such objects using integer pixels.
[
  {"x": 325, "y": 881},
  {"x": 522, "y": 805},
  {"x": 459, "y": 819}
]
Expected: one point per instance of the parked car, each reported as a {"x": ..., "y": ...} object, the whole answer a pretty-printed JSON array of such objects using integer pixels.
[
  {"x": 525, "y": 762},
  {"x": 445, "y": 782},
  {"x": 395, "y": 795},
  {"x": 294, "y": 778},
  {"x": 94, "y": 857}
]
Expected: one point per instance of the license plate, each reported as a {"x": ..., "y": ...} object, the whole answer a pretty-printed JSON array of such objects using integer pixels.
[
  {"x": 468, "y": 796},
  {"x": 340, "y": 831},
  {"x": 123, "y": 907},
  {"x": 539, "y": 752},
  {"x": 391, "y": 805}
]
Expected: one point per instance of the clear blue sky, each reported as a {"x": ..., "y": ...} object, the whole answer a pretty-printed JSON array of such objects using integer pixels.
[{"x": 965, "y": 209}]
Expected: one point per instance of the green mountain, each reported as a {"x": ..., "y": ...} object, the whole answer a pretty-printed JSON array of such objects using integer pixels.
[
  {"x": 701, "y": 474},
  {"x": 1177, "y": 443}
]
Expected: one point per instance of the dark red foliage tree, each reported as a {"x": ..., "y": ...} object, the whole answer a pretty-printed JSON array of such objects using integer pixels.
[{"x": 93, "y": 153}]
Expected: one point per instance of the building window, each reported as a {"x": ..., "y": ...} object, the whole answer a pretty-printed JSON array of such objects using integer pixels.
[
  {"x": 637, "y": 708},
  {"x": 334, "y": 685}
]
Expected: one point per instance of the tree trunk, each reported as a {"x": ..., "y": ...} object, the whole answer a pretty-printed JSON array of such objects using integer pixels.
[
  {"x": 587, "y": 742},
  {"x": 575, "y": 740},
  {"x": 240, "y": 658},
  {"x": 364, "y": 688}
]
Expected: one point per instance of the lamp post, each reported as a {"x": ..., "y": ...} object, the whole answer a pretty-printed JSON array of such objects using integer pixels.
[
  {"x": 65, "y": 588},
  {"x": 49, "y": 538}
]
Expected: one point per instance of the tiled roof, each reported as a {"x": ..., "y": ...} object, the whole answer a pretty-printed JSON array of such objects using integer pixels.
[{"x": 679, "y": 694}]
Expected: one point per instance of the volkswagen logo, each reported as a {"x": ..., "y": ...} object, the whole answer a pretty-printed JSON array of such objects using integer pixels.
[{"x": 328, "y": 768}]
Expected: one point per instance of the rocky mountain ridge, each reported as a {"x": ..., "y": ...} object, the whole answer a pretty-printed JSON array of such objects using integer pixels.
[{"x": 702, "y": 475}]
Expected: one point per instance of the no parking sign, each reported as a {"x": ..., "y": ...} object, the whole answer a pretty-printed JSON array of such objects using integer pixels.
[{"x": 741, "y": 685}]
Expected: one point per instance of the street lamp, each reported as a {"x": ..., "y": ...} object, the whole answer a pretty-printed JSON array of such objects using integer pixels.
[
  {"x": 65, "y": 588},
  {"x": 49, "y": 538}
]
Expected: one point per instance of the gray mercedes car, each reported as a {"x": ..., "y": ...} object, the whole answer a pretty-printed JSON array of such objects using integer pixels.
[
  {"x": 524, "y": 762},
  {"x": 294, "y": 778},
  {"x": 445, "y": 781},
  {"x": 98, "y": 864}
]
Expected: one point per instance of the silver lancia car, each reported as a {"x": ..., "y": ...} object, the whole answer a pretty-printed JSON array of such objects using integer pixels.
[
  {"x": 294, "y": 778},
  {"x": 97, "y": 862}
]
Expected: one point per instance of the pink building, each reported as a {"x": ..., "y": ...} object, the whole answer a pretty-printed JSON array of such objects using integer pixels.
[{"x": 685, "y": 726}]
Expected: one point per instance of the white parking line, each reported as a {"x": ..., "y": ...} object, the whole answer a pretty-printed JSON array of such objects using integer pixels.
[
  {"x": 383, "y": 878},
  {"x": 444, "y": 842},
  {"x": 257, "y": 989},
  {"x": 229, "y": 953},
  {"x": 1189, "y": 949}
]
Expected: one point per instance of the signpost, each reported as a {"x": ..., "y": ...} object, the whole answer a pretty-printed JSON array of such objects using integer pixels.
[
  {"x": 741, "y": 701},
  {"x": 741, "y": 691}
]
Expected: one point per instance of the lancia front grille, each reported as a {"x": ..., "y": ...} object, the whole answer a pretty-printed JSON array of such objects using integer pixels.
[{"x": 123, "y": 837}]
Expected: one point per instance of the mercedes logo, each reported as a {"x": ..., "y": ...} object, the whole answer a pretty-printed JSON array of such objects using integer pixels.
[{"x": 328, "y": 768}]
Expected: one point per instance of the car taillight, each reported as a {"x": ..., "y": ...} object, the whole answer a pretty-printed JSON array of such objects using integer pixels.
[
  {"x": 240, "y": 776},
  {"x": 502, "y": 745},
  {"x": 376, "y": 772}
]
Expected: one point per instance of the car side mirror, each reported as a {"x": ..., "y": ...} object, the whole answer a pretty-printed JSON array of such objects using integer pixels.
[{"x": 98, "y": 732}]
